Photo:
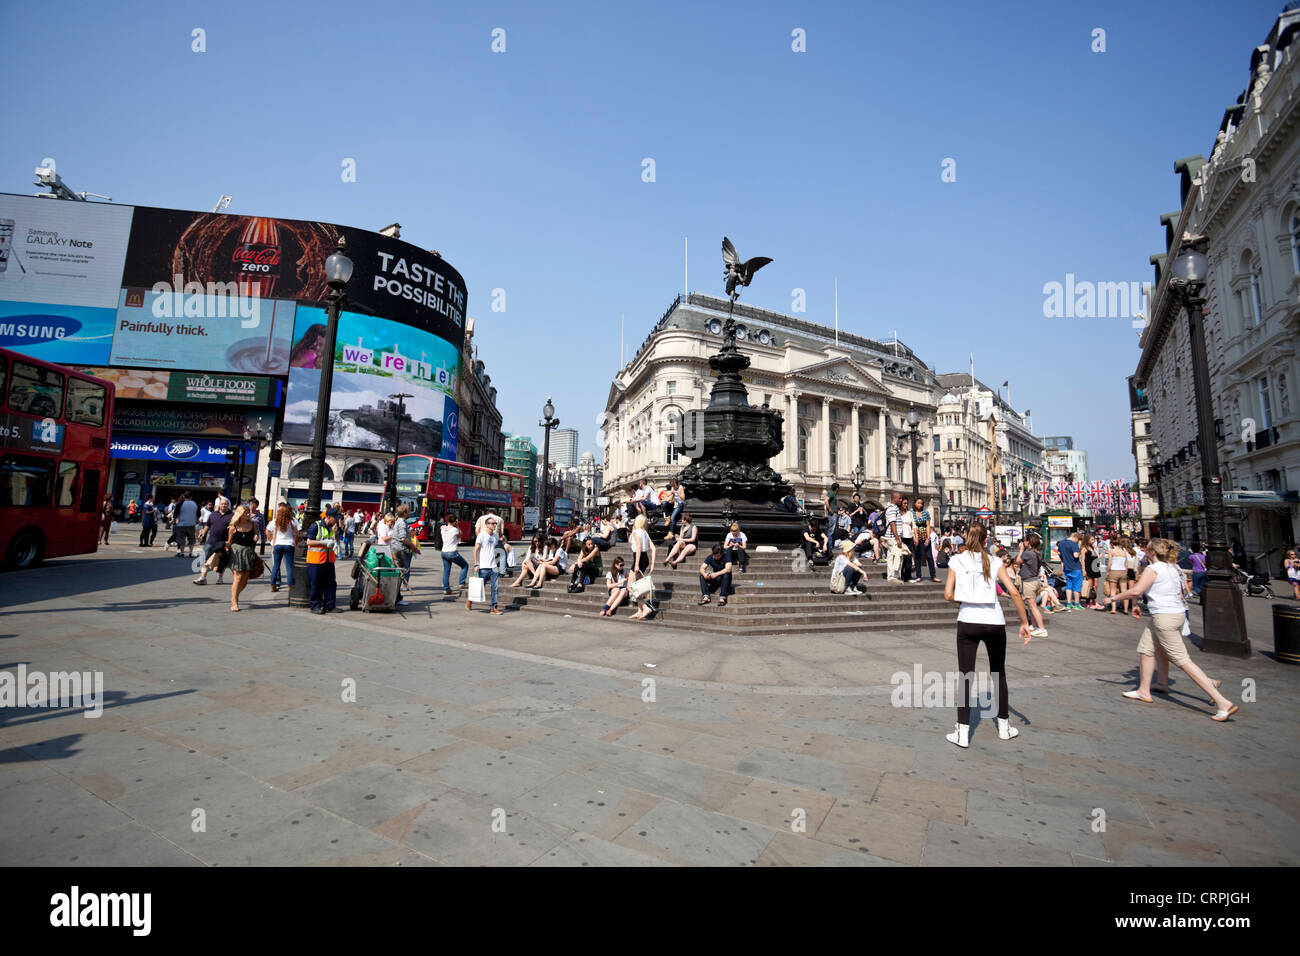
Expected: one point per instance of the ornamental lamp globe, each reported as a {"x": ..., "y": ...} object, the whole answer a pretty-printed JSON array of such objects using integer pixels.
[
  {"x": 338, "y": 267},
  {"x": 1190, "y": 266}
]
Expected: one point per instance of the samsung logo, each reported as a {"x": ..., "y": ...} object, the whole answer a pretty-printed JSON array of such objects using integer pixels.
[
  {"x": 181, "y": 449},
  {"x": 35, "y": 329}
]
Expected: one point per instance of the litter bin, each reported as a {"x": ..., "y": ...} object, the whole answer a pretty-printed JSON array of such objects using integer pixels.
[{"x": 1286, "y": 633}]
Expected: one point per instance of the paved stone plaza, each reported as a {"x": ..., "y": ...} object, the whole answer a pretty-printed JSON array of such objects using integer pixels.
[{"x": 538, "y": 723}]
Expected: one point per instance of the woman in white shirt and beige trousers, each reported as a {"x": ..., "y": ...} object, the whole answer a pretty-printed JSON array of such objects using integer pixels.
[
  {"x": 971, "y": 580},
  {"x": 1164, "y": 585}
]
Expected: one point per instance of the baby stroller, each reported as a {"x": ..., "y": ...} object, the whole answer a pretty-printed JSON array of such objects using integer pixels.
[{"x": 376, "y": 579}]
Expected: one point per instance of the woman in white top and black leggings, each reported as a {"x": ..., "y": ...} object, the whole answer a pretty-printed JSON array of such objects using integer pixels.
[
  {"x": 643, "y": 563},
  {"x": 1162, "y": 640},
  {"x": 971, "y": 577}
]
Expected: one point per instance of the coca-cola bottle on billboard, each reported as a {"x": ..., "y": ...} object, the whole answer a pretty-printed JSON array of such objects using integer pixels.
[{"x": 257, "y": 258}]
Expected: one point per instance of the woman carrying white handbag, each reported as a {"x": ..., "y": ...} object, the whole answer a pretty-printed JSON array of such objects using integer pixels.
[
  {"x": 643, "y": 565},
  {"x": 1162, "y": 640}
]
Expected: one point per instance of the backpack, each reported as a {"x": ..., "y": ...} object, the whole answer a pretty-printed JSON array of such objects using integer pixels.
[
  {"x": 838, "y": 584},
  {"x": 879, "y": 524}
]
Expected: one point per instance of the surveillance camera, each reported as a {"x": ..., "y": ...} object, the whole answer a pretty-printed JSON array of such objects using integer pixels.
[{"x": 45, "y": 176}]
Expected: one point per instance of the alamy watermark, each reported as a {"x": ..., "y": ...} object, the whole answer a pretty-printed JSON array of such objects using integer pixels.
[
  {"x": 62, "y": 689},
  {"x": 1084, "y": 299},
  {"x": 919, "y": 688}
]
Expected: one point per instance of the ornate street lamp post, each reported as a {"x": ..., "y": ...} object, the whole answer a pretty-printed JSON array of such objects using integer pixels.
[
  {"x": 859, "y": 478},
  {"x": 401, "y": 398},
  {"x": 913, "y": 419},
  {"x": 1224, "y": 620},
  {"x": 262, "y": 437},
  {"x": 338, "y": 272},
  {"x": 548, "y": 423},
  {"x": 1160, "y": 491}
]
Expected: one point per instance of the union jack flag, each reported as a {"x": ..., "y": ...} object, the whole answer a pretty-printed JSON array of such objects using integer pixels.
[
  {"x": 1078, "y": 493},
  {"x": 1044, "y": 491},
  {"x": 1134, "y": 502},
  {"x": 1097, "y": 488},
  {"x": 1061, "y": 492}
]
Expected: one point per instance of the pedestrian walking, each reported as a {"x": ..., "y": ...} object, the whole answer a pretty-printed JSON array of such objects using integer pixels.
[
  {"x": 1072, "y": 569},
  {"x": 1290, "y": 567},
  {"x": 187, "y": 518},
  {"x": 322, "y": 553},
  {"x": 485, "y": 560},
  {"x": 449, "y": 537},
  {"x": 105, "y": 519},
  {"x": 893, "y": 537},
  {"x": 349, "y": 533},
  {"x": 972, "y": 576},
  {"x": 284, "y": 538},
  {"x": 1029, "y": 563},
  {"x": 922, "y": 553},
  {"x": 215, "y": 541},
  {"x": 384, "y": 529},
  {"x": 1091, "y": 573},
  {"x": 1162, "y": 639},
  {"x": 403, "y": 547},
  {"x": 1197, "y": 561},
  {"x": 241, "y": 537},
  {"x": 148, "y": 522},
  {"x": 643, "y": 565}
]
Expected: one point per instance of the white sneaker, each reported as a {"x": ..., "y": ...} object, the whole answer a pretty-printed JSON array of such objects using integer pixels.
[
  {"x": 960, "y": 736},
  {"x": 1005, "y": 730},
  {"x": 1038, "y": 632}
]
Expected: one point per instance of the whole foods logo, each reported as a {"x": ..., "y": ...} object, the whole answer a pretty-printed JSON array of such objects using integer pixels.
[{"x": 181, "y": 449}]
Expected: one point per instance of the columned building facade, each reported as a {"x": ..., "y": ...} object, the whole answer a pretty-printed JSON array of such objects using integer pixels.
[{"x": 845, "y": 401}]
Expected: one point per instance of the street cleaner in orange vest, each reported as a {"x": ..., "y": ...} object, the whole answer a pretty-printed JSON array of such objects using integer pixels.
[{"x": 322, "y": 552}]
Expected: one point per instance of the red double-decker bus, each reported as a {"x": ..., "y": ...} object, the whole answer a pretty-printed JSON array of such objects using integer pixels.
[
  {"x": 433, "y": 486},
  {"x": 55, "y": 426}
]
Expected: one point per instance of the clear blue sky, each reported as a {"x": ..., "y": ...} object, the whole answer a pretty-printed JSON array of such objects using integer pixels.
[{"x": 524, "y": 168}]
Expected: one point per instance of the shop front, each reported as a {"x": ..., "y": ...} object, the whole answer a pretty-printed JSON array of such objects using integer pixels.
[{"x": 165, "y": 465}]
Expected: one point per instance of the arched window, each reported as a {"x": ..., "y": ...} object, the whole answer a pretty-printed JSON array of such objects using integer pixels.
[
  {"x": 363, "y": 473},
  {"x": 803, "y": 448},
  {"x": 1295, "y": 241},
  {"x": 1256, "y": 294},
  {"x": 302, "y": 471}
]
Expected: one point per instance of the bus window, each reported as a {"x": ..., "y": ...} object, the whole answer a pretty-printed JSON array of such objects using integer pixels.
[
  {"x": 479, "y": 479},
  {"x": 37, "y": 391},
  {"x": 67, "y": 479},
  {"x": 26, "y": 482},
  {"x": 493, "y": 482},
  {"x": 89, "y": 491},
  {"x": 456, "y": 475},
  {"x": 85, "y": 402},
  {"x": 440, "y": 472}
]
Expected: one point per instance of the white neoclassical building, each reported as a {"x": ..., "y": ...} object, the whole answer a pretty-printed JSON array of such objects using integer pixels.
[
  {"x": 1244, "y": 204},
  {"x": 845, "y": 401}
]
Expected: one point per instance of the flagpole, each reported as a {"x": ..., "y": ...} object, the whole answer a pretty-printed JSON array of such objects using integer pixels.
[{"x": 837, "y": 311}]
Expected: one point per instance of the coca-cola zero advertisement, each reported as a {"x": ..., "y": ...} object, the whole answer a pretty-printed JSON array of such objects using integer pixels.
[{"x": 219, "y": 254}]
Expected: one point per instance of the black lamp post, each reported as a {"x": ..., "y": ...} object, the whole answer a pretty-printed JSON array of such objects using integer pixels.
[
  {"x": 401, "y": 398},
  {"x": 549, "y": 422},
  {"x": 261, "y": 437},
  {"x": 1160, "y": 491},
  {"x": 859, "y": 478},
  {"x": 1223, "y": 617},
  {"x": 913, "y": 419},
  {"x": 338, "y": 271}
]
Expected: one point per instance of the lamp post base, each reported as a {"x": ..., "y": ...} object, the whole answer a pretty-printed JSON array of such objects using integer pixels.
[{"x": 1224, "y": 619}]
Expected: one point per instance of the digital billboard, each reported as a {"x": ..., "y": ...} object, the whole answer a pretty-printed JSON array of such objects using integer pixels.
[
  {"x": 69, "y": 253},
  {"x": 373, "y": 359},
  {"x": 210, "y": 333},
  {"x": 216, "y": 253}
]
